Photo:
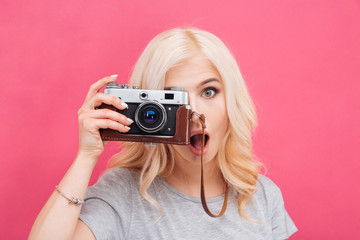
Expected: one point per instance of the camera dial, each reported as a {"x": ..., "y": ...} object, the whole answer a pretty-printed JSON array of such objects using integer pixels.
[
  {"x": 112, "y": 85},
  {"x": 143, "y": 95},
  {"x": 177, "y": 89}
]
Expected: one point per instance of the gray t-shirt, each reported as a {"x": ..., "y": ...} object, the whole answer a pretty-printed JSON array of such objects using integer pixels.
[{"x": 115, "y": 209}]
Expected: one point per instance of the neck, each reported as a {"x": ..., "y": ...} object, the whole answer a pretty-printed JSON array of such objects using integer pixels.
[{"x": 186, "y": 178}]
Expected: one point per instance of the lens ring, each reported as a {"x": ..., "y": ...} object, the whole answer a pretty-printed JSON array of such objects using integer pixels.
[{"x": 158, "y": 124}]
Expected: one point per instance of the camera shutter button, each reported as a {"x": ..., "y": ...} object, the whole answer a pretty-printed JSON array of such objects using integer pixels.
[{"x": 124, "y": 86}]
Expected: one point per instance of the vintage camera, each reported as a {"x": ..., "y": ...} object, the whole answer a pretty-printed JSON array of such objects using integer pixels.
[{"x": 160, "y": 116}]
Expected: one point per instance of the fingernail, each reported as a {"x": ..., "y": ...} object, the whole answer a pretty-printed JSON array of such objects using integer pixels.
[
  {"x": 114, "y": 76},
  {"x": 127, "y": 128},
  {"x": 130, "y": 120},
  {"x": 124, "y": 105}
]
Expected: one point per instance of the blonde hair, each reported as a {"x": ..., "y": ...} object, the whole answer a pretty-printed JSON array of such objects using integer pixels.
[{"x": 235, "y": 158}]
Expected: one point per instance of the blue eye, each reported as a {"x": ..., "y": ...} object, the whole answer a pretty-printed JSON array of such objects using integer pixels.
[{"x": 209, "y": 92}]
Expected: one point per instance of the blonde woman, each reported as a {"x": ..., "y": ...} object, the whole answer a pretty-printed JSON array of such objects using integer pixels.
[{"x": 153, "y": 192}]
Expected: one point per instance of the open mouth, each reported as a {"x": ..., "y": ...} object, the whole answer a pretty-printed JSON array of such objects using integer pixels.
[{"x": 196, "y": 141}]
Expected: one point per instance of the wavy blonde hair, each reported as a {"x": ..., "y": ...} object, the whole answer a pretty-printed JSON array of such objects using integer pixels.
[{"x": 235, "y": 158}]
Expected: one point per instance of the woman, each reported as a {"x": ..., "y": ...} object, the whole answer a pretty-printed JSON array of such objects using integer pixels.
[{"x": 153, "y": 192}]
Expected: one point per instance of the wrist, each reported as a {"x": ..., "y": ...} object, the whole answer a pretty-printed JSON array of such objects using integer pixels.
[{"x": 89, "y": 158}]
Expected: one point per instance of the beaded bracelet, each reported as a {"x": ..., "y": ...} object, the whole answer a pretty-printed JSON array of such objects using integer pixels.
[{"x": 71, "y": 200}]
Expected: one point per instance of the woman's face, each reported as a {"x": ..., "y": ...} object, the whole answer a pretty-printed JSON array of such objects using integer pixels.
[{"x": 206, "y": 96}]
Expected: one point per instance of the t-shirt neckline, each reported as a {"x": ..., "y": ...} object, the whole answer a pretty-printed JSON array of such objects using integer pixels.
[{"x": 187, "y": 197}]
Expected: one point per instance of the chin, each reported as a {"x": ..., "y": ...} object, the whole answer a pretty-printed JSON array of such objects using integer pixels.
[{"x": 188, "y": 153}]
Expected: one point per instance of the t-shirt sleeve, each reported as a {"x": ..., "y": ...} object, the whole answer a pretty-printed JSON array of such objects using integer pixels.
[
  {"x": 282, "y": 225},
  {"x": 106, "y": 210},
  {"x": 101, "y": 218}
]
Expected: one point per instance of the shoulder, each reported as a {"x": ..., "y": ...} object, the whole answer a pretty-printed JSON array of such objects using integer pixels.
[
  {"x": 268, "y": 192},
  {"x": 267, "y": 185},
  {"x": 112, "y": 193},
  {"x": 114, "y": 181},
  {"x": 117, "y": 175}
]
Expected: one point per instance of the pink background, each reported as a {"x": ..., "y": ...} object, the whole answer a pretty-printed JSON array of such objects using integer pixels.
[{"x": 301, "y": 60}]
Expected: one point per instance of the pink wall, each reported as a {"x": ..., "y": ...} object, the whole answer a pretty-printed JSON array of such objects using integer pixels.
[{"x": 301, "y": 60}]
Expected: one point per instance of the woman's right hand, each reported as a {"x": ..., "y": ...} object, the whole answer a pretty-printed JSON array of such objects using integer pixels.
[{"x": 92, "y": 119}]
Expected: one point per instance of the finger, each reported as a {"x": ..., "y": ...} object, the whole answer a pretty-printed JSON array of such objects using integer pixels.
[
  {"x": 109, "y": 114},
  {"x": 106, "y": 124},
  {"x": 101, "y": 98},
  {"x": 95, "y": 87}
]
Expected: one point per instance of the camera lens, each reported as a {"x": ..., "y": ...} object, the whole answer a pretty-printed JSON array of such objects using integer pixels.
[{"x": 150, "y": 116}]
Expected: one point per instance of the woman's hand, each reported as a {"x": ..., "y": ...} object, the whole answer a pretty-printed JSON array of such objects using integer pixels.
[{"x": 92, "y": 119}]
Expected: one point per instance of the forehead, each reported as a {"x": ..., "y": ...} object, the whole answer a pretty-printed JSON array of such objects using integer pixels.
[{"x": 191, "y": 71}]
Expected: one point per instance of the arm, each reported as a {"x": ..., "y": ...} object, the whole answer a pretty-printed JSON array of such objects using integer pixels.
[{"x": 58, "y": 217}]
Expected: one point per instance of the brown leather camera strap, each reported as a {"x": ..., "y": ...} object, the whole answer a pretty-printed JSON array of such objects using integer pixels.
[{"x": 202, "y": 190}]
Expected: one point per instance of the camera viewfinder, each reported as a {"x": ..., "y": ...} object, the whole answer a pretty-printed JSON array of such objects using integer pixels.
[{"x": 169, "y": 96}]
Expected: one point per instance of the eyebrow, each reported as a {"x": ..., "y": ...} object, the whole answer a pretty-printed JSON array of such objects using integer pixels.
[
  {"x": 202, "y": 83},
  {"x": 208, "y": 81}
]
